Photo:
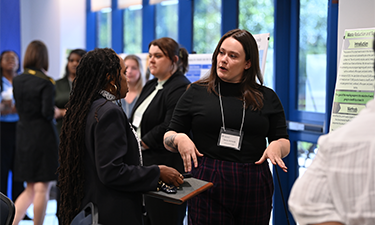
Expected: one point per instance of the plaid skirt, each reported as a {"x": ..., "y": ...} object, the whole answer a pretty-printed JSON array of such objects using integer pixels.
[{"x": 242, "y": 193}]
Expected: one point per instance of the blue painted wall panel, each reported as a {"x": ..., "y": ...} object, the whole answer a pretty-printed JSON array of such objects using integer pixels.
[{"x": 10, "y": 26}]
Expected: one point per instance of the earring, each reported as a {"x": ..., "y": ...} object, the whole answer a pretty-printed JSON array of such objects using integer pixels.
[{"x": 115, "y": 87}]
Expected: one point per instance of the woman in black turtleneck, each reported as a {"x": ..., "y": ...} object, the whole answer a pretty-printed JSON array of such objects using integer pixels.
[{"x": 231, "y": 116}]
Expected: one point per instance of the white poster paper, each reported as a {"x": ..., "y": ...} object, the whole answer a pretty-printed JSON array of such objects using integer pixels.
[{"x": 355, "y": 76}]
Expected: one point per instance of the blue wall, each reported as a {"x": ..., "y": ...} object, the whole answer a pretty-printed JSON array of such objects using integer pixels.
[{"x": 10, "y": 26}]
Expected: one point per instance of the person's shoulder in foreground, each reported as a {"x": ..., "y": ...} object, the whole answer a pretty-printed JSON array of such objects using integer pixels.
[{"x": 339, "y": 186}]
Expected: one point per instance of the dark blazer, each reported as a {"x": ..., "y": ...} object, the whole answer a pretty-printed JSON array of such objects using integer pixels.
[
  {"x": 114, "y": 178},
  {"x": 36, "y": 150},
  {"x": 156, "y": 118}
]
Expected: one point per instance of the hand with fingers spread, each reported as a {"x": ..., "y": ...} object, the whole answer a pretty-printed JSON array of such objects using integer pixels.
[
  {"x": 184, "y": 145},
  {"x": 275, "y": 152}
]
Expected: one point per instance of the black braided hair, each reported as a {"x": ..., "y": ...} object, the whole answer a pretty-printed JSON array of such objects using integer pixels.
[{"x": 94, "y": 72}]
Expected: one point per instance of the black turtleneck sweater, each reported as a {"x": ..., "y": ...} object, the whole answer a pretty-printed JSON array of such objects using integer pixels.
[{"x": 199, "y": 111}]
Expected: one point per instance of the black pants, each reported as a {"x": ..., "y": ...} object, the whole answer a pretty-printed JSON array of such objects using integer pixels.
[
  {"x": 160, "y": 212},
  {"x": 8, "y": 150}
]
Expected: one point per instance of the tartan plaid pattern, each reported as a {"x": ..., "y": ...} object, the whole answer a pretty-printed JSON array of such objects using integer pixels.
[{"x": 242, "y": 193}]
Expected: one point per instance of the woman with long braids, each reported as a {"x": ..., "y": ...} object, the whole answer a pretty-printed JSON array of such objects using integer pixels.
[
  {"x": 99, "y": 154},
  {"x": 63, "y": 88}
]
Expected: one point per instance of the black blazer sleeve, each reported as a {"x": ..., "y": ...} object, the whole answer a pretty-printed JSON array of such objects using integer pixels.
[
  {"x": 113, "y": 149},
  {"x": 157, "y": 116},
  {"x": 154, "y": 137}
]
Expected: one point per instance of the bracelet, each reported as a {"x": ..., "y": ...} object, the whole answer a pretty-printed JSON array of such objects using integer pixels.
[{"x": 169, "y": 189}]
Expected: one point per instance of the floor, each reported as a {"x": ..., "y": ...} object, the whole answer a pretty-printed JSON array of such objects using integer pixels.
[{"x": 50, "y": 218}]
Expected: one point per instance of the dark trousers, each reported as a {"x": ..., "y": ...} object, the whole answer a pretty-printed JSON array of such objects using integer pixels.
[
  {"x": 160, "y": 212},
  {"x": 241, "y": 195},
  {"x": 8, "y": 148}
]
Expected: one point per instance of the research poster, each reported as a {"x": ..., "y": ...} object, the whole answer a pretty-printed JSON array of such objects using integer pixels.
[
  {"x": 199, "y": 66},
  {"x": 355, "y": 76}
]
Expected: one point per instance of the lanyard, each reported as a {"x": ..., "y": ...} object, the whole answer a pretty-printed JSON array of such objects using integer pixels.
[{"x": 222, "y": 112}]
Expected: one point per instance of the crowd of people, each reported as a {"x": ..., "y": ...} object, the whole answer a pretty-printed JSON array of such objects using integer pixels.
[{"x": 107, "y": 135}]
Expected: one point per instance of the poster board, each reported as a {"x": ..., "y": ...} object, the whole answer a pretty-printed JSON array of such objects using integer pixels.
[
  {"x": 199, "y": 66},
  {"x": 355, "y": 76}
]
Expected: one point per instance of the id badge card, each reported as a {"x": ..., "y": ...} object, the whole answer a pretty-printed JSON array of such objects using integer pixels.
[{"x": 230, "y": 138}]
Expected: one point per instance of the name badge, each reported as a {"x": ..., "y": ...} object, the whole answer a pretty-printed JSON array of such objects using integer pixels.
[
  {"x": 137, "y": 120},
  {"x": 230, "y": 138}
]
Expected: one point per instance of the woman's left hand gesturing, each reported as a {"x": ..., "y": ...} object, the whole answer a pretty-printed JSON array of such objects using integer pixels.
[{"x": 275, "y": 152}]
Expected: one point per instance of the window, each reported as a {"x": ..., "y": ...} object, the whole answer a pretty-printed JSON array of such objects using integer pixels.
[
  {"x": 167, "y": 20},
  {"x": 133, "y": 30},
  {"x": 259, "y": 19},
  {"x": 306, "y": 153},
  {"x": 312, "y": 55},
  {"x": 207, "y": 25},
  {"x": 104, "y": 24}
]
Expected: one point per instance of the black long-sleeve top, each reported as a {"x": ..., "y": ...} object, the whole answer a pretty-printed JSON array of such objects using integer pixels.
[{"x": 199, "y": 111}]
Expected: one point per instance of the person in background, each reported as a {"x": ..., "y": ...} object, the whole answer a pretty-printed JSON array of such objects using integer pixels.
[
  {"x": 64, "y": 86},
  {"x": 100, "y": 156},
  {"x": 339, "y": 186},
  {"x": 135, "y": 82},
  {"x": 231, "y": 117},
  {"x": 9, "y": 65},
  {"x": 148, "y": 75},
  {"x": 36, "y": 150},
  {"x": 152, "y": 113}
]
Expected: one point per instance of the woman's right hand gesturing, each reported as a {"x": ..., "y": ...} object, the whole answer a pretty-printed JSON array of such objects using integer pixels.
[{"x": 184, "y": 145}]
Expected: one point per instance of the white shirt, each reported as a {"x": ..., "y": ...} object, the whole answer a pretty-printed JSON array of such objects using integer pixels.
[{"x": 340, "y": 183}]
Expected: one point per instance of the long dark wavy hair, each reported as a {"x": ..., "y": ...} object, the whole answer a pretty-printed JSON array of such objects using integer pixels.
[
  {"x": 250, "y": 88},
  {"x": 94, "y": 73}
]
